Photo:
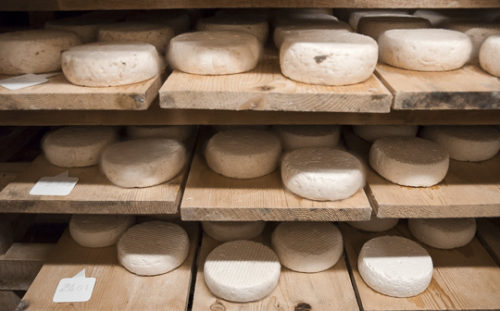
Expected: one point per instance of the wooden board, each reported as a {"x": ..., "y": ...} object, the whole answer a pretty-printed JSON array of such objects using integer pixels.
[
  {"x": 266, "y": 89},
  {"x": 466, "y": 278},
  {"x": 115, "y": 288},
  {"x": 59, "y": 94},
  {"x": 465, "y": 88},
  {"x": 470, "y": 189},
  {"x": 324, "y": 291},
  {"x": 93, "y": 194},
  {"x": 488, "y": 231},
  {"x": 210, "y": 196}
]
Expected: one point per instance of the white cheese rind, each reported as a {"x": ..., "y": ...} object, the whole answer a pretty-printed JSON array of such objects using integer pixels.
[
  {"x": 323, "y": 174},
  {"x": 76, "y": 146},
  {"x": 242, "y": 271},
  {"x": 444, "y": 233},
  {"x": 153, "y": 248},
  {"x": 143, "y": 162},
  {"x": 488, "y": 55},
  {"x": 395, "y": 266},
  {"x": 255, "y": 25},
  {"x": 98, "y": 230},
  {"x": 373, "y": 132},
  {"x": 477, "y": 32},
  {"x": 409, "y": 161},
  {"x": 233, "y": 230},
  {"x": 374, "y": 26},
  {"x": 375, "y": 224},
  {"x": 243, "y": 153},
  {"x": 177, "y": 132},
  {"x": 308, "y": 246},
  {"x": 466, "y": 143},
  {"x": 425, "y": 49},
  {"x": 302, "y": 136}
]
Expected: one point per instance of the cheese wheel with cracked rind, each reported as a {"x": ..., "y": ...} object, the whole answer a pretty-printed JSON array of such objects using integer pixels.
[
  {"x": 233, "y": 230},
  {"x": 98, "y": 230}
]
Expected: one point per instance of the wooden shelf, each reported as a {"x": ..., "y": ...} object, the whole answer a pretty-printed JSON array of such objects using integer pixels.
[
  {"x": 266, "y": 89},
  {"x": 210, "y": 196},
  {"x": 324, "y": 291},
  {"x": 465, "y": 88},
  {"x": 59, "y": 94},
  {"x": 466, "y": 278},
  {"x": 94, "y": 194},
  {"x": 115, "y": 288}
]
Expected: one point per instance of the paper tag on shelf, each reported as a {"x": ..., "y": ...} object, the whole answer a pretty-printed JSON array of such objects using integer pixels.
[
  {"x": 76, "y": 289},
  {"x": 60, "y": 185},
  {"x": 20, "y": 82}
]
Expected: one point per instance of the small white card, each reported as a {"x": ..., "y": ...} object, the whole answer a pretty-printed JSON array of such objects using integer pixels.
[
  {"x": 20, "y": 82},
  {"x": 59, "y": 185},
  {"x": 76, "y": 289}
]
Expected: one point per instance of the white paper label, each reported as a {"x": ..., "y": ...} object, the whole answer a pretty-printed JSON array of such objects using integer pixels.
[
  {"x": 59, "y": 185},
  {"x": 76, "y": 289},
  {"x": 20, "y": 82}
]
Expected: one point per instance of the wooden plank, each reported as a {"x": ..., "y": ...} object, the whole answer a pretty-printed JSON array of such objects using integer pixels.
[
  {"x": 465, "y": 88},
  {"x": 71, "y": 5},
  {"x": 324, "y": 291},
  {"x": 470, "y": 189},
  {"x": 115, "y": 288},
  {"x": 466, "y": 278},
  {"x": 266, "y": 89},
  {"x": 94, "y": 194},
  {"x": 21, "y": 263},
  {"x": 210, "y": 196},
  {"x": 489, "y": 232},
  {"x": 59, "y": 94}
]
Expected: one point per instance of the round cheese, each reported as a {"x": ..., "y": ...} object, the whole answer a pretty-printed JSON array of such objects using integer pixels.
[
  {"x": 156, "y": 34},
  {"x": 425, "y": 49},
  {"x": 214, "y": 52},
  {"x": 357, "y": 15},
  {"x": 243, "y": 153},
  {"x": 143, "y": 162},
  {"x": 177, "y": 132},
  {"x": 375, "y": 224},
  {"x": 436, "y": 17},
  {"x": 373, "y": 132},
  {"x": 488, "y": 55},
  {"x": 98, "y": 230},
  {"x": 254, "y": 25},
  {"x": 302, "y": 136},
  {"x": 76, "y": 146},
  {"x": 477, "y": 32},
  {"x": 153, "y": 248},
  {"x": 374, "y": 26},
  {"x": 466, "y": 143},
  {"x": 242, "y": 271},
  {"x": 285, "y": 31},
  {"x": 444, "y": 233},
  {"x": 409, "y": 161},
  {"x": 233, "y": 230},
  {"x": 308, "y": 246},
  {"x": 34, "y": 51},
  {"x": 395, "y": 266},
  {"x": 308, "y": 57},
  {"x": 323, "y": 174},
  {"x": 111, "y": 64}
]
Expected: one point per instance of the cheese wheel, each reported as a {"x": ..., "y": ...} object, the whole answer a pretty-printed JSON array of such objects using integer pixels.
[
  {"x": 357, "y": 15},
  {"x": 425, "y": 49},
  {"x": 308, "y": 57},
  {"x": 374, "y": 26},
  {"x": 77, "y": 146},
  {"x": 302, "y": 136},
  {"x": 308, "y": 246},
  {"x": 243, "y": 153},
  {"x": 477, "y": 32},
  {"x": 395, "y": 266},
  {"x": 85, "y": 27},
  {"x": 34, "y": 51},
  {"x": 98, "y": 230},
  {"x": 153, "y": 248},
  {"x": 111, "y": 64},
  {"x": 466, "y": 143},
  {"x": 242, "y": 271},
  {"x": 177, "y": 132},
  {"x": 437, "y": 18},
  {"x": 254, "y": 25},
  {"x": 156, "y": 34},
  {"x": 233, "y": 230},
  {"x": 375, "y": 224},
  {"x": 488, "y": 55},
  {"x": 444, "y": 233},
  {"x": 409, "y": 161},
  {"x": 214, "y": 52},
  {"x": 323, "y": 174},
  {"x": 373, "y": 132},
  {"x": 143, "y": 162},
  {"x": 286, "y": 30}
]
